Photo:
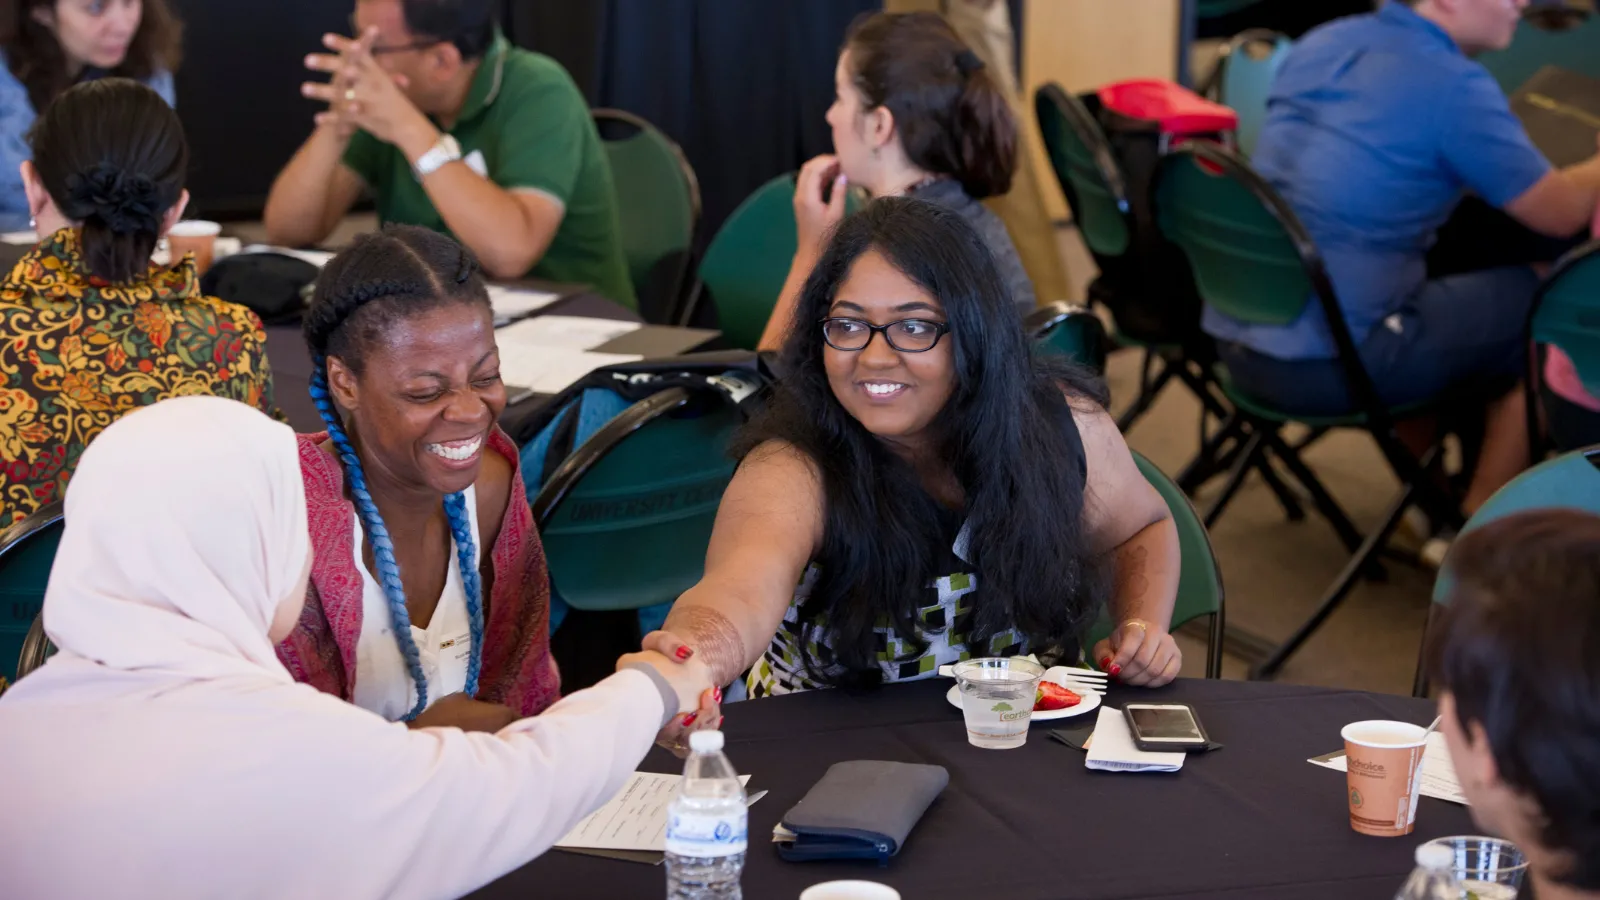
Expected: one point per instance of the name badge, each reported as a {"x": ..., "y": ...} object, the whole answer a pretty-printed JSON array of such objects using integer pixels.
[
  {"x": 477, "y": 163},
  {"x": 456, "y": 649}
]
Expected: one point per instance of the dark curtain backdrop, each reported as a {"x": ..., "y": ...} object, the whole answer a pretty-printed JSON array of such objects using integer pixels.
[{"x": 741, "y": 85}]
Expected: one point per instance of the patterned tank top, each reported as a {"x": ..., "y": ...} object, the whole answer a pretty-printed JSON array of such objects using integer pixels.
[{"x": 946, "y": 620}]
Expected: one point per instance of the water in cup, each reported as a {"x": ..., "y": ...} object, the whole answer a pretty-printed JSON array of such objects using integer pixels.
[
  {"x": 1486, "y": 868},
  {"x": 997, "y": 700}
]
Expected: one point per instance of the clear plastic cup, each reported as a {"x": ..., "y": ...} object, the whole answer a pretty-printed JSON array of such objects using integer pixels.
[
  {"x": 997, "y": 700},
  {"x": 1487, "y": 868}
]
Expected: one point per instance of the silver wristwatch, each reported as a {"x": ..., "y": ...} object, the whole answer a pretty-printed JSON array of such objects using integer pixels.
[{"x": 447, "y": 150}]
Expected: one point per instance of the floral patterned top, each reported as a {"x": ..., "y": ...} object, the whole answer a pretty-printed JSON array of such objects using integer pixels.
[{"x": 77, "y": 352}]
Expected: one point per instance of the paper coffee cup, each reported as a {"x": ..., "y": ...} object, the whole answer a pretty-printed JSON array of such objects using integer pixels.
[
  {"x": 1383, "y": 759},
  {"x": 850, "y": 890},
  {"x": 194, "y": 236}
]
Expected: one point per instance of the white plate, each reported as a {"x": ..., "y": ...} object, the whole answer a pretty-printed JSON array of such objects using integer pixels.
[{"x": 1090, "y": 702}]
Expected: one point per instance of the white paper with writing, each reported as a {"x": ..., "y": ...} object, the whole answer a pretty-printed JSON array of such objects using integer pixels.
[
  {"x": 511, "y": 304},
  {"x": 634, "y": 819},
  {"x": 565, "y": 332},
  {"x": 1438, "y": 770},
  {"x": 548, "y": 370}
]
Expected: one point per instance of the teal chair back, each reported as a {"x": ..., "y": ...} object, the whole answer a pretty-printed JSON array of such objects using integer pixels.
[
  {"x": 1212, "y": 9},
  {"x": 27, "y": 550},
  {"x": 1566, "y": 313},
  {"x": 1199, "y": 579},
  {"x": 625, "y": 520},
  {"x": 744, "y": 268},
  {"x": 1070, "y": 332},
  {"x": 1569, "y": 481},
  {"x": 1084, "y": 165},
  {"x": 1249, "y": 64},
  {"x": 658, "y": 203},
  {"x": 1246, "y": 262}
]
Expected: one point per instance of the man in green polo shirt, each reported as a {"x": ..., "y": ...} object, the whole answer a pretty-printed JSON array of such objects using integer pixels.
[{"x": 452, "y": 128}]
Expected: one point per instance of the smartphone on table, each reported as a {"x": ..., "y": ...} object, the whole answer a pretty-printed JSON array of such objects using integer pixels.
[{"x": 1165, "y": 727}]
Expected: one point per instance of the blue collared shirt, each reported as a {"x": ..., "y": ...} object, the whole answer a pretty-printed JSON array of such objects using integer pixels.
[
  {"x": 16, "y": 117},
  {"x": 1376, "y": 126}
]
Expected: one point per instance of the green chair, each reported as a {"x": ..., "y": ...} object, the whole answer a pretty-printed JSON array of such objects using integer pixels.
[
  {"x": 1243, "y": 78},
  {"x": 744, "y": 268},
  {"x": 1145, "y": 317},
  {"x": 1071, "y": 332},
  {"x": 658, "y": 202},
  {"x": 1200, "y": 578},
  {"x": 1569, "y": 481},
  {"x": 1254, "y": 261},
  {"x": 27, "y": 549},
  {"x": 1565, "y": 314},
  {"x": 625, "y": 520}
]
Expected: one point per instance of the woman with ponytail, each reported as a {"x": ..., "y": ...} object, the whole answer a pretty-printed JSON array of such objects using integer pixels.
[
  {"x": 915, "y": 114},
  {"x": 429, "y": 599},
  {"x": 92, "y": 329}
]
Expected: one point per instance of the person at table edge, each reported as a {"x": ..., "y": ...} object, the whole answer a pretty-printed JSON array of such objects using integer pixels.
[
  {"x": 94, "y": 330},
  {"x": 46, "y": 46},
  {"x": 950, "y": 494},
  {"x": 451, "y": 127},
  {"x": 1376, "y": 125},
  {"x": 1516, "y": 657}
]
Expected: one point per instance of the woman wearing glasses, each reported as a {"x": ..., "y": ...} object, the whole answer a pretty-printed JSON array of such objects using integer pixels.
[
  {"x": 931, "y": 487},
  {"x": 47, "y": 46}
]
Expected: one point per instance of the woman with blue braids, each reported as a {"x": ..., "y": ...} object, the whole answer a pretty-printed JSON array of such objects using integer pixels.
[{"x": 429, "y": 601}]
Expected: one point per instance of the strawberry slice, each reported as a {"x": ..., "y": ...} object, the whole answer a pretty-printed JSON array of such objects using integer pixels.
[{"x": 1053, "y": 696}]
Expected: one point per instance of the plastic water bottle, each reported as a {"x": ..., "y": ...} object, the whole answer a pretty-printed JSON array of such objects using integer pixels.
[
  {"x": 706, "y": 825},
  {"x": 1432, "y": 879}
]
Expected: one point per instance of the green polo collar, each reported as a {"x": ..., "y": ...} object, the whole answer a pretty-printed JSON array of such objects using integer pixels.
[{"x": 486, "y": 83}]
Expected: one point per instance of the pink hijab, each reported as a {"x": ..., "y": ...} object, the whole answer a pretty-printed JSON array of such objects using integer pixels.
[{"x": 165, "y": 752}]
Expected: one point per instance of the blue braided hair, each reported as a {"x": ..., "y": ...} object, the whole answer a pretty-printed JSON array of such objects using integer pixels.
[{"x": 364, "y": 275}]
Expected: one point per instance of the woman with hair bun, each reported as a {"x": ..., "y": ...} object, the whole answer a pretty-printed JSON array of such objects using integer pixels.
[
  {"x": 915, "y": 114},
  {"x": 94, "y": 330}
]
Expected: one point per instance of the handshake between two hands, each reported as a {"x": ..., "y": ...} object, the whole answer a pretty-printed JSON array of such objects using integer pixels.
[{"x": 699, "y": 697}]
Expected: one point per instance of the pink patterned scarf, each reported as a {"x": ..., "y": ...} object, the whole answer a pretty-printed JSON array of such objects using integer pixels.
[{"x": 518, "y": 670}]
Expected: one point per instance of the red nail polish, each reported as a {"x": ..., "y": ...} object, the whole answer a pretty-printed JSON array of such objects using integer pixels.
[
  {"x": 1115, "y": 671},
  {"x": 716, "y": 695},
  {"x": 689, "y": 719},
  {"x": 684, "y": 652},
  {"x": 1106, "y": 663}
]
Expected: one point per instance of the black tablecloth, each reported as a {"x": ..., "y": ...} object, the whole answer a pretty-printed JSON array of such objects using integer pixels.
[
  {"x": 1253, "y": 820},
  {"x": 291, "y": 361}
]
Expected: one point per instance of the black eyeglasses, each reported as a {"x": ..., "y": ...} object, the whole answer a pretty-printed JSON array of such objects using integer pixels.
[{"x": 906, "y": 335}]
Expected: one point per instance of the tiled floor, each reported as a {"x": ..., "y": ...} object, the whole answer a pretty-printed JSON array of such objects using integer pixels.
[{"x": 1275, "y": 571}]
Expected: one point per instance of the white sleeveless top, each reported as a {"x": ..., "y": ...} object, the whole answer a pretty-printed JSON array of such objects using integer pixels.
[{"x": 383, "y": 683}]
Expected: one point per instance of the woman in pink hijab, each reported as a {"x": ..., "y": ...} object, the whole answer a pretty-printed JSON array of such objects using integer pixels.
[{"x": 165, "y": 752}]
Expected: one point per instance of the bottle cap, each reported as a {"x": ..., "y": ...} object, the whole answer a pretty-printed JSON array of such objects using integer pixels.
[
  {"x": 705, "y": 741},
  {"x": 1435, "y": 856}
]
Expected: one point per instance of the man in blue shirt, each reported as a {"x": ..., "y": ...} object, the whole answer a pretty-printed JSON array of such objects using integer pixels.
[{"x": 1377, "y": 125}]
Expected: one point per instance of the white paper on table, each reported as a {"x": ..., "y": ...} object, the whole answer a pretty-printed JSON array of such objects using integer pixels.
[
  {"x": 24, "y": 238},
  {"x": 318, "y": 258},
  {"x": 1111, "y": 748},
  {"x": 225, "y": 247},
  {"x": 512, "y": 303},
  {"x": 1438, "y": 770},
  {"x": 634, "y": 819},
  {"x": 565, "y": 332},
  {"x": 549, "y": 370}
]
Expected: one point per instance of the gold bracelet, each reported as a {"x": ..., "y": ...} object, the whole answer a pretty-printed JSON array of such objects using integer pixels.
[{"x": 1144, "y": 626}]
